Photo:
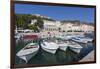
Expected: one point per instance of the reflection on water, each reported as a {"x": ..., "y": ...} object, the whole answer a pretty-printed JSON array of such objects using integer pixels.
[{"x": 60, "y": 57}]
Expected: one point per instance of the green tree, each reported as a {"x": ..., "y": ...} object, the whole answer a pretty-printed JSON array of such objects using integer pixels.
[
  {"x": 23, "y": 21},
  {"x": 33, "y": 27}
]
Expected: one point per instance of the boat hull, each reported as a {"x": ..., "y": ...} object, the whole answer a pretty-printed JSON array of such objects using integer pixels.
[
  {"x": 76, "y": 50},
  {"x": 53, "y": 51},
  {"x": 80, "y": 41},
  {"x": 63, "y": 48},
  {"x": 29, "y": 51},
  {"x": 27, "y": 57}
]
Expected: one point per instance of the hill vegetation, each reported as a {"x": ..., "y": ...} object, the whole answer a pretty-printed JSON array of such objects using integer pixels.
[{"x": 22, "y": 21}]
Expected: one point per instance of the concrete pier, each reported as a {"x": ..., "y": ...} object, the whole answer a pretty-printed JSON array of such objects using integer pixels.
[{"x": 89, "y": 57}]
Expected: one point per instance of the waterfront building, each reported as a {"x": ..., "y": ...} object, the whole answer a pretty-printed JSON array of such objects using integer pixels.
[
  {"x": 51, "y": 28},
  {"x": 72, "y": 28},
  {"x": 87, "y": 28},
  {"x": 55, "y": 28}
]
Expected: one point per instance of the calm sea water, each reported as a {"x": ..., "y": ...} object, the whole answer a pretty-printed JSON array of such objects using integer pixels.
[{"x": 43, "y": 57}]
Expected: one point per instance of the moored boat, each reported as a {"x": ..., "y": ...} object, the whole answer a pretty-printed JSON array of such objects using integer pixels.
[
  {"x": 75, "y": 47},
  {"x": 28, "y": 51},
  {"x": 82, "y": 39},
  {"x": 17, "y": 37},
  {"x": 62, "y": 45},
  {"x": 49, "y": 46},
  {"x": 66, "y": 37}
]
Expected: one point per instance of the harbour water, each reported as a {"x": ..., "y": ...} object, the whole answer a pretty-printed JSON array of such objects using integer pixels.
[{"x": 60, "y": 57}]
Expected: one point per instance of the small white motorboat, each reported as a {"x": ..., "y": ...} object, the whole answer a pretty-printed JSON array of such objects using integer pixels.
[
  {"x": 28, "y": 51},
  {"x": 82, "y": 39},
  {"x": 79, "y": 40},
  {"x": 49, "y": 46},
  {"x": 17, "y": 37},
  {"x": 62, "y": 45},
  {"x": 86, "y": 39},
  {"x": 65, "y": 37},
  {"x": 68, "y": 37},
  {"x": 74, "y": 46}
]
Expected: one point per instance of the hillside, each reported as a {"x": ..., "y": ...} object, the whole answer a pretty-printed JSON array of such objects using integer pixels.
[{"x": 22, "y": 21}]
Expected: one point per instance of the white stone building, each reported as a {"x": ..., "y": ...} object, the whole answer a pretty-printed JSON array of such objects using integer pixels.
[
  {"x": 51, "y": 28},
  {"x": 71, "y": 28},
  {"x": 87, "y": 28},
  {"x": 54, "y": 28}
]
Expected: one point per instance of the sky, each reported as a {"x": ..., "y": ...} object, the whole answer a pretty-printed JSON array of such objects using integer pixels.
[{"x": 57, "y": 12}]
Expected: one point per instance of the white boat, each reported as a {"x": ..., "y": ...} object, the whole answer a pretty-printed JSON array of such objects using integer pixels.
[
  {"x": 28, "y": 51},
  {"x": 49, "y": 46},
  {"x": 80, "y": 35},
  {"x": 86, "y": 39},
  {"x": 17, "y": 37},
  {"x": 68, "y": 37},
  {"x": 79, "y": 40},
  {"x": 82, "y": 39},
  {"x": 75, "y": 47},
  {"x": 62, "y": 45},
  {"x": 65, "y": 37}
]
